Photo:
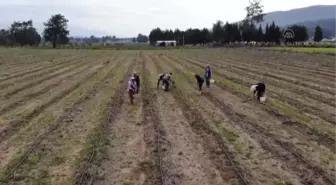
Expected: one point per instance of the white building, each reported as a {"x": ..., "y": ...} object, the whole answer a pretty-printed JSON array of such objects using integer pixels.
[{"x": 165, "y": 43}]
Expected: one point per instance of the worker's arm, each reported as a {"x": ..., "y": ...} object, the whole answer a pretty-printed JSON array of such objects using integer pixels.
[{"x": 171, "y": 79}]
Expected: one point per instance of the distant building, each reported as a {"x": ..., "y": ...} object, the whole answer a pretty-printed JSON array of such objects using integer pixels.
[{"x": 165, "y": 43}]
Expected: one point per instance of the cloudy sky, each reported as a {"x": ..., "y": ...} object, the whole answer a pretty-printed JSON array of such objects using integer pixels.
[{"x": 127, "y": 18}]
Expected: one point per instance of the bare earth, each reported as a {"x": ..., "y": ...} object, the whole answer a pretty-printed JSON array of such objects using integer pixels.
[{"x": 65, "y": 118}]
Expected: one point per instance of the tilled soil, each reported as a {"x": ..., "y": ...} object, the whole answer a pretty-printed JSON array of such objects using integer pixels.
[
  {"x": 68, "y": 120},
  {"x": 316, "y": 175}
]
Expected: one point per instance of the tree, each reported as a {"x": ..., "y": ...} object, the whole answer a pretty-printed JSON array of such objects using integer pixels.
[
  {"x": 56, "y": 30},
  {"x": 248, "y": 31},
  {"x": 318, "y": 36},
  {"x": 206, "y": 36},
  {"x": 254, "y": 12},
  {"x": 218, "y": 32},
  {"x": 142, "y": 38},
  {"x": 4, "y": 37},
  {"x": 155, "y": 35},
  {"x": 236, "y": 32},
  {"x": 22, "y": 33},
  {"x": 260, "y": 34},
  {"x": 300, "y": 33}
]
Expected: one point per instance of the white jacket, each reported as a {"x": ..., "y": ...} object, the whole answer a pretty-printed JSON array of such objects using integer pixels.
[{"x": 131, "y": 85}]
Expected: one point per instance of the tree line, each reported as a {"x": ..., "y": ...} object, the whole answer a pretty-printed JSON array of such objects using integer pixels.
[
  {"x": 24, "y": 33},
  {"x": 56, "y": 32},
  {"x": 107, "y": 39},
  {"x": 221, "y": 33},
  {"x": 250, "y": 29}
]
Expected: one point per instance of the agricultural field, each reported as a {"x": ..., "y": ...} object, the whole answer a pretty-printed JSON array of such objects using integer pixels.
[
  {"x": 325, "y": 50},
  {"x": 65, "y": 118}
]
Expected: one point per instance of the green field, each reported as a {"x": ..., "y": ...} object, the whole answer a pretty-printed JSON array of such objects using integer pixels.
[{"x": 306, "y": 49}]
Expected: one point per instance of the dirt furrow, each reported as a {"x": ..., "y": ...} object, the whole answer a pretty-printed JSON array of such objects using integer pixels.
[
  {"x": 22, "y": 68},
  {"x": 20, "y": 122},
  {"x": 272, "y": 65},
  {"x": 294, "y": 63},
  {"x": 273, "y": 74},
  {"x": 288, "y": 122},
  {"x": 319, "y": 97},
  {"x": 219, "y": 154},
  {"x": 52, "y": 74},
  {"x": 257, "y": 163},
  {"x": 154, "y": 135},
  {"x": 46, "y": 59},
  {"x": 88, "y": 172},
  {"x": 50, "y": 68},
  {"x": 124, "y": 153},
  {"x": 185, "y": 156},
  {"x": 286, "y": 152},
  {"x": 302, "y": 108},
  {"x": 68, "y": 116},
  {"x": 326, "y": 112},
  {"x": 27, "y": 97}
]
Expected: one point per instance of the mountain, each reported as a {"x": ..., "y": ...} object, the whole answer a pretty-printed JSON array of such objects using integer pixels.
[
  {"x": 327, "y": 25},
  {"x": 323, "y": 15}
]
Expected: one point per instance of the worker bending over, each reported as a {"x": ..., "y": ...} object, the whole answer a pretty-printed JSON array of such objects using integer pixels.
[
  {"x": 200, "y": 82},
  {"x": 165, "y": 79},
  {"x": 131, "y": 89},
  {"x": 137, "y": 81},
  {"x": 259, "y": 89}
]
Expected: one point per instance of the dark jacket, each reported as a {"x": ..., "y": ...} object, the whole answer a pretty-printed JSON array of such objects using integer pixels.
[
  {"x": 137, "y": 79},
  {"x": 199, "y": 79},
  {"x": 261, "y": 87}
]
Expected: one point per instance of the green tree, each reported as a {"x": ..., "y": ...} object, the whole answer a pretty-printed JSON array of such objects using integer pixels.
[
  {"x": 228, "y": 30},
  {"x": 318, "y": 36},
  {"x": 206, "y": 36},
  {"x": 218, "y": 32},
  {"x": 56, "y": 30},
  {"x": 300, "y": 33},
  {"x": 260, "y": 34},
  {"x": 236, "y": 32},
  {"x": 248, "y": 31},
  {"x": 4, "y": 37},
  {"x": 142, "y": 38},
  {"x": 23, "y": 33},
  {"x": 254, "y": 12}
]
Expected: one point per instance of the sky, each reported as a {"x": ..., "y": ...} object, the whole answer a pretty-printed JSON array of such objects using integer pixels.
[{"x": 127, "y": 18}]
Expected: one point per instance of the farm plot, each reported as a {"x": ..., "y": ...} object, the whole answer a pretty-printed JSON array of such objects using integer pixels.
[{"x": 66, "y": 118}]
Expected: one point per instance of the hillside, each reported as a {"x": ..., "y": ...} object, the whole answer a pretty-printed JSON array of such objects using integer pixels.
[
  {"x": 323, "y": 15},
  {"x": 311, "y": 13},
  {"x": 327, "y": 25}
]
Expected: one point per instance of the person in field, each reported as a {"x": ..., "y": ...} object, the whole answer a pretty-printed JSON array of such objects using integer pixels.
[
  {"x": 131, "y": 89},
  {"x": 160, "y": 79},
  {"x": 137, "y": 81},
  {"x": 208, "y": 75},
  {"x": 165, "y": 79},
  {"x": 200, "y": 82},
  {"x": 259, "y": 90}
]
